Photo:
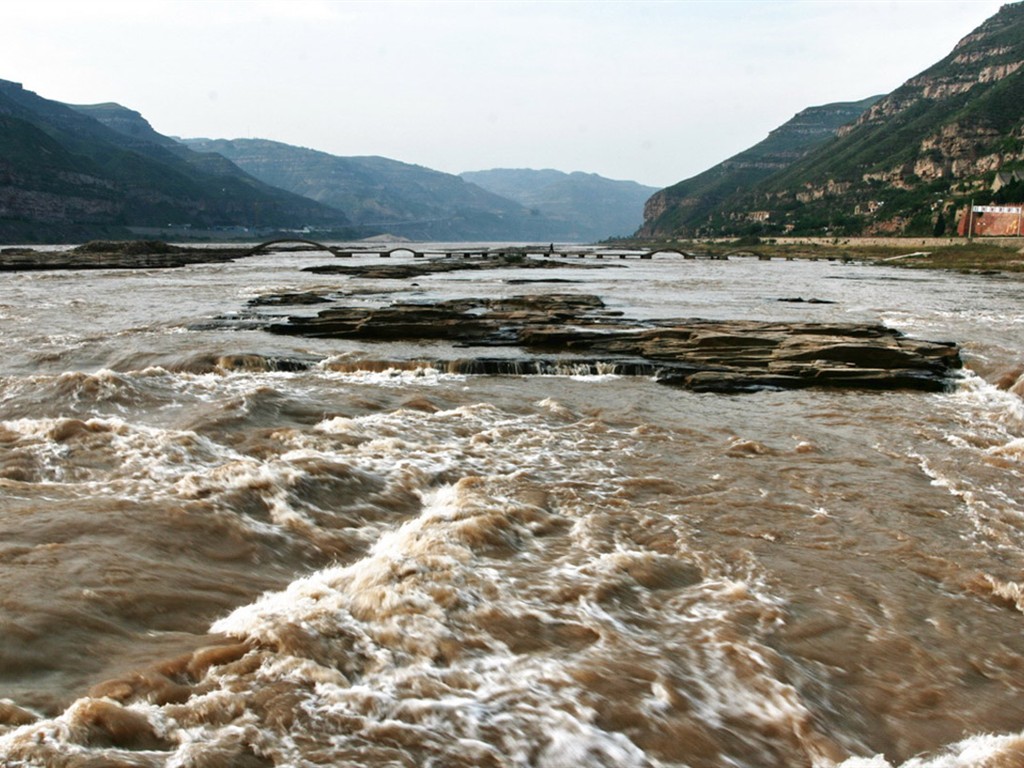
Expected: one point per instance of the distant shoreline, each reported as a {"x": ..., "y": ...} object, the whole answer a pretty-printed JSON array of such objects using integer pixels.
[{"x": 980, "y": 255}]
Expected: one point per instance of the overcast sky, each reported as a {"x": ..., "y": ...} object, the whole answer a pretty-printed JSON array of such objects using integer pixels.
[{"x": 649, "y": 91}]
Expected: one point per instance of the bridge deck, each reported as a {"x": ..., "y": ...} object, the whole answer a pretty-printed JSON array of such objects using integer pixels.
[{"x": 550, "y": 251}]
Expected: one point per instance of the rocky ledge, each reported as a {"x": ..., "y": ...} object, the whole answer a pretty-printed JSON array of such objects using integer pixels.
[
  {"x": 104, "y": 254},
  {"x": 576, "y": 333}
]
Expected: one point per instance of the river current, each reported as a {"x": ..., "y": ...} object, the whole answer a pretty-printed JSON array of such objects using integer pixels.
[{"x": 209, "y": 563}]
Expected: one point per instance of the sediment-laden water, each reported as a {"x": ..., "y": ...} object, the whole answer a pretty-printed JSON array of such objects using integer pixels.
[{"x": 208, "y": 563}]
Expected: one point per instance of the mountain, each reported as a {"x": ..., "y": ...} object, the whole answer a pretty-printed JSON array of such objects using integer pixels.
[
  {"x": 591, "y": 207},
  {"x": 907, "y": 165},
  {"x": 66, "y": 175},
  {"x": 685, "y": 207},
  {"x": 383, "y": 195}
]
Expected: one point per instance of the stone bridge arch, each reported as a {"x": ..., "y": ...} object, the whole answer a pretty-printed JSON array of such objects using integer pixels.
[
  {"x": 684, "y": 254},
  {"x": 262, "y": 247},
  {"x": 401, "y": 249}
]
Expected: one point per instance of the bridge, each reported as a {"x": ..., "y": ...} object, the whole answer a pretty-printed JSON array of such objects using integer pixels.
[
  {"x": 550, "y": 251},
  {"x": 265, "y": 247}
]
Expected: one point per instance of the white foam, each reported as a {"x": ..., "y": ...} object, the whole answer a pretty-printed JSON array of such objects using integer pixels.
[
  {"x": 974, "y": 752},
  {"x": 386, "y": 617},
  {"x": 424, "y": 376},
  {"x": 131, "y": 458}
]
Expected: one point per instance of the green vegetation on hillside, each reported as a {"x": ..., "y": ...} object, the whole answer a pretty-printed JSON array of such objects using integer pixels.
[{"x": 691, "y": 205}]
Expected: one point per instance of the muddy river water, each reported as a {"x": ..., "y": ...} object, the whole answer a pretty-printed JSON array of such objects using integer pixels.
[{"x": 207, "y": 563}]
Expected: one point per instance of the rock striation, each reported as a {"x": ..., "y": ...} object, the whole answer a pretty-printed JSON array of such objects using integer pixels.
[{"x": 573, "y": 333}]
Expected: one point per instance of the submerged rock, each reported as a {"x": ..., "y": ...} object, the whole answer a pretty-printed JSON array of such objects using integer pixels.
[
  {"x": 575, "y": 333},
  {"x": 286, "y": 299}
]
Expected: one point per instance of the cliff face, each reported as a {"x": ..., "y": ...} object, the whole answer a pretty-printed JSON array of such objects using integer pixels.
[
  {"x": 685, "y": 206},
  {"x": 66, "y": 176},
  {"x": 130, "y": 124},
  {"x": 905, "y": 164}
]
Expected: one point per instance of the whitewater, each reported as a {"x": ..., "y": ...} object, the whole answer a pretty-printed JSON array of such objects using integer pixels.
[{"x": 211, "y": 559}]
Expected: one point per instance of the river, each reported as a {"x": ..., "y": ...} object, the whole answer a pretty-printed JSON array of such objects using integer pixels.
[{"x": 209, "y": 563}]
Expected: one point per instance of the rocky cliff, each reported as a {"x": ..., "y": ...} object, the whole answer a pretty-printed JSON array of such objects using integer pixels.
[
  {"x": 686, "y": 206},
  {"x": 902, "y": 167}
]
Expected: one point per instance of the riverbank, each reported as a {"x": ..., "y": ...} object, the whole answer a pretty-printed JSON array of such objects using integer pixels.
[{"x": 1004, "y": 254}]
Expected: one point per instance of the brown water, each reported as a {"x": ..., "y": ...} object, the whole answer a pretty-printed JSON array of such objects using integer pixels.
[{"x": 206, "y": 563}]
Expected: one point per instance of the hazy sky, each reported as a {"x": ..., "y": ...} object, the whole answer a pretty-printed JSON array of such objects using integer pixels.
[{"x": 649, "y": 91}]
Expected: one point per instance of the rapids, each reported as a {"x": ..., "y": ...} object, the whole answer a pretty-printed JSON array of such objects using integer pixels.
[{"x": 208, "y": 562}]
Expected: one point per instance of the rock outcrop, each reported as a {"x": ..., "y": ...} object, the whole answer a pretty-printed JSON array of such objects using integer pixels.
[
  {"x": 685, "y": 207},
  {"x": 574, "y": 333}
]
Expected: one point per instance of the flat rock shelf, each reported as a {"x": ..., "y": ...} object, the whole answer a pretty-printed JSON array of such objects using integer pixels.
[
  {"x": 572, "y": 333},
  {"x": 106, "y": 254}
]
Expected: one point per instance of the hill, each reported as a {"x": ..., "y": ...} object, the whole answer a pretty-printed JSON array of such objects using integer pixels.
[
  {"x": 590, "y": 207},
  {"x": 907, "y": 165},
  {"x": 67, "y": 176},
  {"x": 686, "y": 206},
  {"x": 384, "y": 195}
]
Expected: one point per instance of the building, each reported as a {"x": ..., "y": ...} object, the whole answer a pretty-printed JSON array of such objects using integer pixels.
[{"x": 992, "y": 221}]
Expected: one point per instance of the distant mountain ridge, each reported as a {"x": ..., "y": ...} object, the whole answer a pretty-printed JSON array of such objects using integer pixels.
[
  {"x": 383, "y": 195},
  {"x": 77, "y": 172},
  {"x": 590, "y": 206},
  {"x": 65, "y": 175},
  {"x": 907, "y": 165}
]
